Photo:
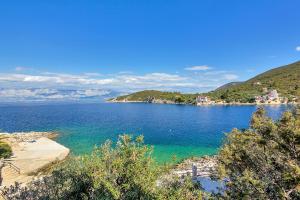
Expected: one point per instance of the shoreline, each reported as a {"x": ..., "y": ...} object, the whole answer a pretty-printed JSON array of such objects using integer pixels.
[
  {"x": 211, "y": 104},
  {"x": 205, "y": 165},
  {"x": 32, "y": 152}
]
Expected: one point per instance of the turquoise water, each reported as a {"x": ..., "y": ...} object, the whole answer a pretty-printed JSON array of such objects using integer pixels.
[{"x": 173, "y": 130}]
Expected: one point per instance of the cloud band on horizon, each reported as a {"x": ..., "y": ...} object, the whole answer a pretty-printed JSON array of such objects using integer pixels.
[{"x": 50, "y": 86}]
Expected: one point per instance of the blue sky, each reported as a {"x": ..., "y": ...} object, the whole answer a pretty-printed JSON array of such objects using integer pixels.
[{"x": 94, "y": 48}]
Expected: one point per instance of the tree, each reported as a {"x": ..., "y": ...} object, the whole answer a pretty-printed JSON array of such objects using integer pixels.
[
  {"x": 126, "y": 171},
  {"x": 173, "y": 188},
  {"x": 263, "y": 161}
]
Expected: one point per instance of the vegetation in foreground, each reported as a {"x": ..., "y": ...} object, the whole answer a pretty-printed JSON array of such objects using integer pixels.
[
  {"x": 127, "y": 171},
  {"x": 262, "y": 162},
  {"x": 5, "y": 149}
]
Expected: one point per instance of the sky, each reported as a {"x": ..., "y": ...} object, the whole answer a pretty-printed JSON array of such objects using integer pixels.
[{"x": 78, "y": 50}]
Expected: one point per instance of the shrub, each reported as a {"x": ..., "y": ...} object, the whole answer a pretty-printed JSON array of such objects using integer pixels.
[
  {"x": 5, "y": 150},
  {"x": 263, "y": 162},
  {"x": 126, "y": 171}
]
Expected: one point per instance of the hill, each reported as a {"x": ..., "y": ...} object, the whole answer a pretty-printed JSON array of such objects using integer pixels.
[
  {"x": 285, "y": 79},
  {"x": 154, "y": 96},
  {"x": 228, "y": 85}
]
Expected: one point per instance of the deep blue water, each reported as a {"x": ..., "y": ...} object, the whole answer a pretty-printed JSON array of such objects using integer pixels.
[{"x": 173, "y": 129}]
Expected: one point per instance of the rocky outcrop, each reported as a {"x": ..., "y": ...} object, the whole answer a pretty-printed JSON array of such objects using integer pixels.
[{"x": 206, "y": 166}]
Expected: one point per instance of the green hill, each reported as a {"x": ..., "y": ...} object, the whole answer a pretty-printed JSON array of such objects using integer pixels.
[
  {"x": 228, "y": 85},
  {"x": 286, "y": 80},
  {"x": 152, "y": 95}
]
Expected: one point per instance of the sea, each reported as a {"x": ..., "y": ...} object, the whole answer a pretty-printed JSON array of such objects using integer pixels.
[{"x": 176, "y": 132}]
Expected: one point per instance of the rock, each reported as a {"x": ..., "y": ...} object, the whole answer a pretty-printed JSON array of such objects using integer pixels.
[{"x": 206, "y": 166}]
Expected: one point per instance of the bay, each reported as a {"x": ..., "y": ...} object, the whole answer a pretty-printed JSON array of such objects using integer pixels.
[{"x": 179, "y": 131}]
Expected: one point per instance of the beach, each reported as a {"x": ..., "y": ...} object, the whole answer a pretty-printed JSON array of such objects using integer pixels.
[{"x": 32, "y": 152}]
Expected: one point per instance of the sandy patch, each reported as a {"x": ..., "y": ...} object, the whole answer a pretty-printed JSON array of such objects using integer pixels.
[{"x": 31, "y": 152}]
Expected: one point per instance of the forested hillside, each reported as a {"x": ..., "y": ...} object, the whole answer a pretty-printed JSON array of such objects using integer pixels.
[
  {"x": 286, "y": 80},
  {"x": 150, "y": 95}
]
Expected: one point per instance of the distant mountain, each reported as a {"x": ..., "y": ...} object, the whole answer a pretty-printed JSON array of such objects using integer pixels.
[
  {"x": 286, "y": 80},
  {"x": 52, "y": 94}
]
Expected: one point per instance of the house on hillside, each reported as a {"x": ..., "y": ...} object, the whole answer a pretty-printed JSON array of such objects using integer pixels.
[
  {"x": 200, "y": 100},
  {"x": 273, "y": 95},
  {"x": 260, "y": 99},
  {"x": 257, "y": 83}
]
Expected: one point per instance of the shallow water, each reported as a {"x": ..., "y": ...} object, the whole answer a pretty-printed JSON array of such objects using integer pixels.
[
  {"x": 173, "y": 130},
  {"x": 211, "y": 185}
]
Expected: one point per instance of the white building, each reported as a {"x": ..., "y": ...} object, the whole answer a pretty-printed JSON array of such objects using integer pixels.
[
  {"x": 203, "y": 100},
  {"x": 273, "y": 95}
]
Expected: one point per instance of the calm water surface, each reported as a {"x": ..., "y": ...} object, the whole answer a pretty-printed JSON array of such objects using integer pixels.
[{"x": 173, "y": 129}]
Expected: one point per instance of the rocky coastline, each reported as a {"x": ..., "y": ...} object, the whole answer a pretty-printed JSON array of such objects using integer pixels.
[
  {"x": 161, "y": 101},
  {"x": 154, "y": 101},
  {"x": 206, "y": 167}
]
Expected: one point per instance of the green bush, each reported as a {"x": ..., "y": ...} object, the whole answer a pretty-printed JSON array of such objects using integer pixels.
[
  {"x": 126, "y": 171},
  {"x": 263, "y": 162},
  {"x": 5, "y": 150}
]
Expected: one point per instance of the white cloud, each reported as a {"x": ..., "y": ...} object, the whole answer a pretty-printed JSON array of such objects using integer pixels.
[
  {"x": 53, "y": 78},
  {"x": 48, "y": 85},
  {"x": 125, "y": 72},
  {"x": 217, "y": 72},
  {"x": 20, "y": 68},
  {"x": 198, "y": 68},
  {"x": 92, "y": 74},
  {"x": 50, "y": 94},
  {"x": 298, "y": 48},
  {"x": 230, "y": 77}
]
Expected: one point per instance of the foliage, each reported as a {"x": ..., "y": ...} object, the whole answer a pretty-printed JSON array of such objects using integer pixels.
[
  {"x": 126, "y": 171},
  {"x": 175, "y": 189},
  {"x": 150, "y": 95},
  {"x": 69, "y": 181},
  {"x": 263, "y": 162},
  {"x": 5, "y": 150},
  {"x": 286, "y": 80}
]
